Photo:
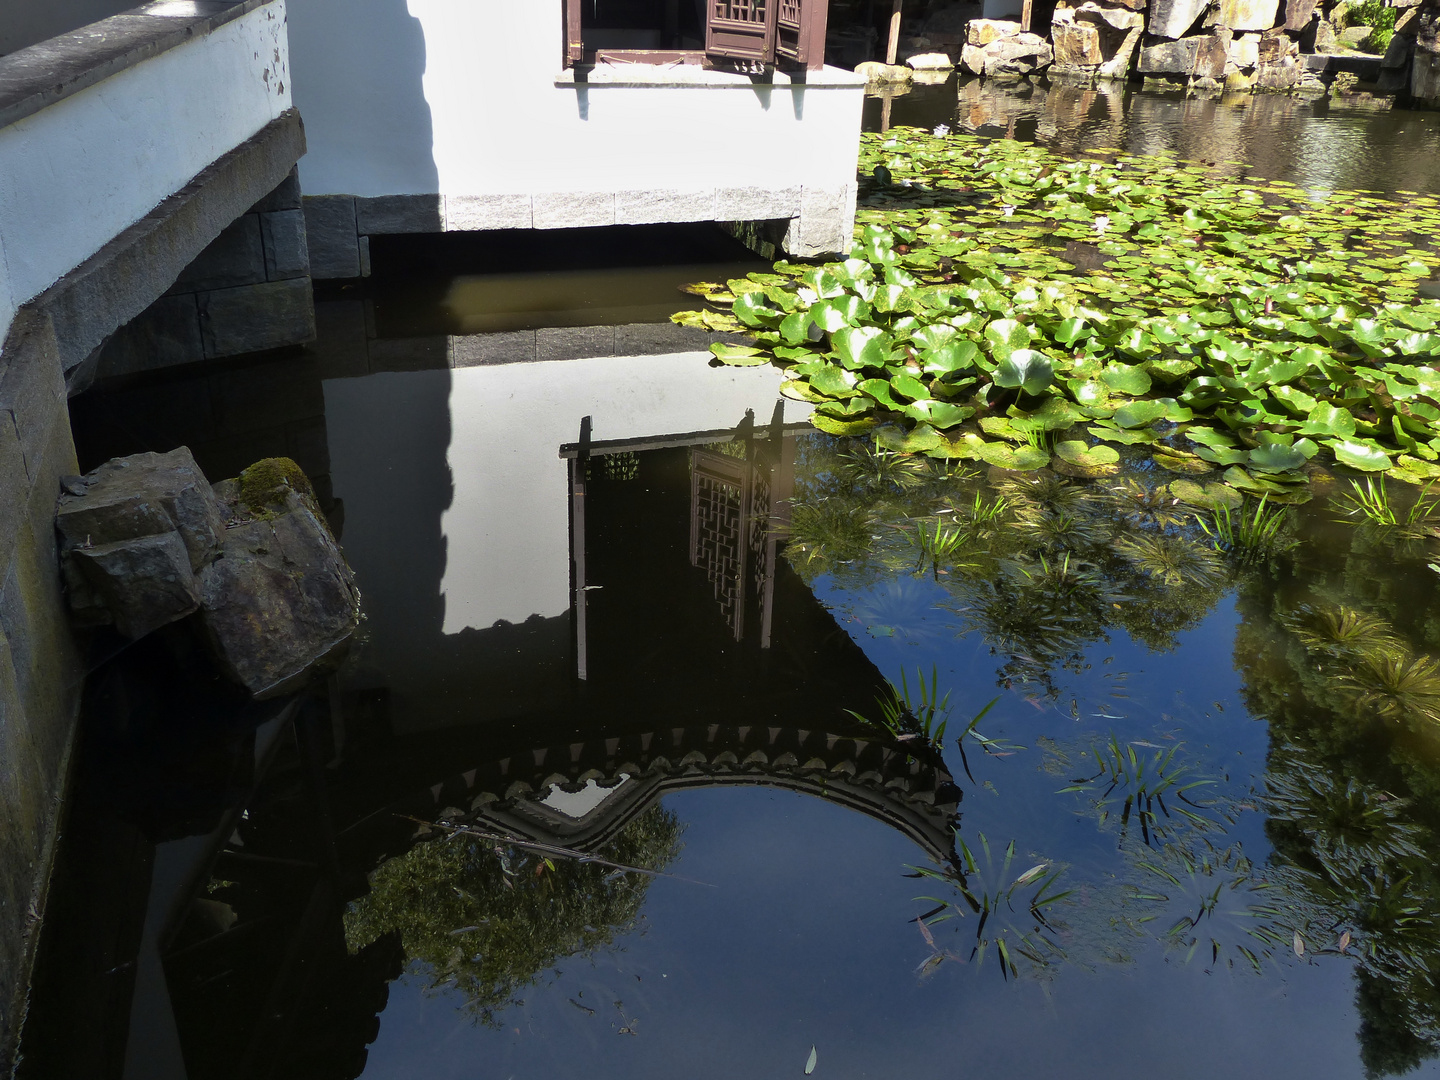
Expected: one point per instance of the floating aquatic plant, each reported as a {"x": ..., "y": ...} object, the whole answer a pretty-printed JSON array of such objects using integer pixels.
[
  {"x": 1255, "y": 532},
  {"x": 1250, "y": 332}
]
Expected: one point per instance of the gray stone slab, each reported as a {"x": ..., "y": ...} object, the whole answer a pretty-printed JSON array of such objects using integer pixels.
[
  {"x": 573, "y": 210},
  {"x": 32, "y": 386},
  {"x": 826, "y": 223},
  {"x": 235, "y": 257},
  {"x": 664, "y": 204},
  {"x": 253, "y": 318},
  {"x": 331, "y": 236},
  {"x": 574, "y": 342},
  {"x": 465, "y": 213},
  {"x": 284, "y": 197},
  {"x": 166, "y": 334},
  {"x": 757, "y": 203},
  {"x": 473, "y": 350},
  {"x": 409, "y": 354},
  {"x": 124, "y": 277},
  {"x": 14, "y": 487},
  {"x": 400, "y": 214},
  {"x": 656, "y": 339},
  {"x": 286, "y": 254},
  {"x": 1174, "y": 18},
  {"x": 366, "y": 269},
  {"x": 33, "y": 78}
]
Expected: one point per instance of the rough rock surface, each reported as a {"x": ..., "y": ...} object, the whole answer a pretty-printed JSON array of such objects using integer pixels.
[
  {"x": 1019, "y": 54},
  {"x": 931, "y": 62},
  {"x": 1203, "y": 57},
  {"x": 876, "y": 72},
  {"x": 1174, "y": 18},
  {"x": 1425, "y": 64},
  {"x": 1092, "y": 39},
  {"x": 1248, "y": 14},
  {"x": 1298, "y": 14},
  {"x": 133, "y": 533},
  {"x": 281, "y": 600},
  {"x": 982, "y": 32}
]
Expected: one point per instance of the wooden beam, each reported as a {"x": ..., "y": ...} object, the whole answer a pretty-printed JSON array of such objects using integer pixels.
[{"x": 893, "y": 47}]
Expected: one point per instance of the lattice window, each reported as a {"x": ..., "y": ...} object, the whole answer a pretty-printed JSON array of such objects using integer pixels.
[
  {"x": 718, "y": 542},
  {"x": 744, "y": 11}
]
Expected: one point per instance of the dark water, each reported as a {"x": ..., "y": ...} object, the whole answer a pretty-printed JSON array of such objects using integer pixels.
[
  {"x": 599, "y": 649},
  {"x": 1321, "y": 144}
]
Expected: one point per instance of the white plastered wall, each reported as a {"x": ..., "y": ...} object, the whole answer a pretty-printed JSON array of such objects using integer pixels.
[
  {"x": 507, "y": 531},
  {"x": 465, "y": 103},
  {"x": 77, "y": 173}
]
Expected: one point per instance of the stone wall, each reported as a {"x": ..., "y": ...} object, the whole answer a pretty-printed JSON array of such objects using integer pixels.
[
  {"x": 40, "y": 668},
  {"x": 247, "y": 292},
  {"x": 1294, "y": 46}
]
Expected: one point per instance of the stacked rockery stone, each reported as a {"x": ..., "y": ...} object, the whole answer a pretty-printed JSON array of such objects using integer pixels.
[
  {"x": 146, "y": 541},
  {"x": 1412, "y": 62},
  {"x": 1200, "y": 44}
]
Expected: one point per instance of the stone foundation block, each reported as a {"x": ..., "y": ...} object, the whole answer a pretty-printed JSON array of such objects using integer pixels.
[
  {"x": 286, "y": 254},
  {"x": 465, "y": 213},
  {"x": 236, "y": 257},
  {"x": 646, "y": 207},
  {"x": 331, "y": 236},
  {"x": 756, "y": 203},
  {"x": 573, "y": 210},
  {"x": 270, "y": 315},
  {"x": 400, "y": 214}
]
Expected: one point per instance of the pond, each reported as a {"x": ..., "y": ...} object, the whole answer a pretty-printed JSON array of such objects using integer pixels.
[{"x": 638, "y": 767}]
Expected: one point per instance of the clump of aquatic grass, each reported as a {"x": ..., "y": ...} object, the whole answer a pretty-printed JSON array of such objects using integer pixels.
[
  {"x": 1371, "y": 504},
  {"x": 1344, "y": 633},
  {"x": 829, "y": 531},
  {"x": 1139, "y": 504},
  {"x": 1219, "y": 905},
  {"x": 1253, "y": 533},
  {"x": 912, "y": 714},
  {"x": 1395, "y": 685},
  {"x": 1134, "y": 787},
  {"x": 1043, "y": 494},
  {"x": 980, "y": 513},
  {"x": 874, "y": 468},
  {"x": 1172, "y": 559},
  {"x": 1013, "y": 909},
  {"x": 937, "y": 540}
]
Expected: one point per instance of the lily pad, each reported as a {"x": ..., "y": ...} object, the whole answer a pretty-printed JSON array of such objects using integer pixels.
[
  {"x": 739, "y": 355},
  {"x": 1024, "y": 368}
]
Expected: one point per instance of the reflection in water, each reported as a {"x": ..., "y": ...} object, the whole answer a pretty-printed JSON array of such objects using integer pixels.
[
  {"x": 1315, "y": 144},
  {"x": 1205, "y": 798}
]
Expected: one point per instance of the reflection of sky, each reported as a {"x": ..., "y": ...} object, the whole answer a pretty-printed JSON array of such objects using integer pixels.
[{"x": 806, "y": 942}]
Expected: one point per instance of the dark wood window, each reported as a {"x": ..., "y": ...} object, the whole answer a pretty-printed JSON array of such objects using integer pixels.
[{"x": 745, "y": 35}]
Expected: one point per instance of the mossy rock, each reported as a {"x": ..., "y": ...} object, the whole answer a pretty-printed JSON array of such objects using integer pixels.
[{"x": 264, "y": 485}]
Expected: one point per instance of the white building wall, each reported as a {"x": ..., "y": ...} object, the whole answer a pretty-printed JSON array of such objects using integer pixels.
[
  {"x": 79, "y": 172},
  {"x": 470, "y": 101}
]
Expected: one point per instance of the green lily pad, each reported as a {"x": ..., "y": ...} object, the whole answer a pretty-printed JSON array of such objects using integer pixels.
[
  {"x": 1139, "y": 413},
  {"x": 739, "y": 355},
  {"x": 831, "y": 426},
  {"x": 920, "y": 438},
  {"x": 1274, "y": 458},
  {"x": 1078, "y": 452},
  {"x": 862, "y": 346},
  {"x": 1126, "y": 379},
  {"x": 1358, "y": 455},
  {"x": 1024, "y": 368}
]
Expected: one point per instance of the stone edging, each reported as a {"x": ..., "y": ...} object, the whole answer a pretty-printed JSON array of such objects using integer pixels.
[{"x": 36, "y": 77}]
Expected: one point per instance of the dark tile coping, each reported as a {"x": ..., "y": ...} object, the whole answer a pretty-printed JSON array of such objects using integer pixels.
[{"x": 38, "y": 76}]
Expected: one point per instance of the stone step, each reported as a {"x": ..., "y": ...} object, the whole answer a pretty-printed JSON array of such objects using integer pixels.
[{"x": 1364, "y": 66}]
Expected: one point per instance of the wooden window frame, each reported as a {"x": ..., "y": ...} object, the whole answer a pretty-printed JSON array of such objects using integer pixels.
[{"x": 799, "y": 46}]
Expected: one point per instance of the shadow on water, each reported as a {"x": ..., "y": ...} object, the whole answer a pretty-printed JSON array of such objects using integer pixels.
[{"x": 1315, "y": 144}]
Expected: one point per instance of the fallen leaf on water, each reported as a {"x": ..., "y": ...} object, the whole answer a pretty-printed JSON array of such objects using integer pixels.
[
  {"x": 810, "y": 1063},
  {"x": 1345, "y": 941},
  {"x": 1299, "y": 944}
]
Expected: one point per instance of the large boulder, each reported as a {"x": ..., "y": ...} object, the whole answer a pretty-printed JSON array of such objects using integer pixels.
[
  {"x": 1248, "y": 14},
  {"x": 281, "y": 602},
  {"x": 1202, "y": 56},
  {"x": 1425, "y": 64},
  {"x": 133, "y": 535},
  {"x": 1019, "y": 54},
  {"x": 1093, "y": 39},
  {"x": 1175, "y": 18}
]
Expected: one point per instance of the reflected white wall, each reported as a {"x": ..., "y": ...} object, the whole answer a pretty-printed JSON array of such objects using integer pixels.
[{"x": 507, "y": 532}]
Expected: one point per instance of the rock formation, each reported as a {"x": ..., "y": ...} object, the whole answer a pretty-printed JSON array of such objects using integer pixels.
[{"x": 146, "y": 541}]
